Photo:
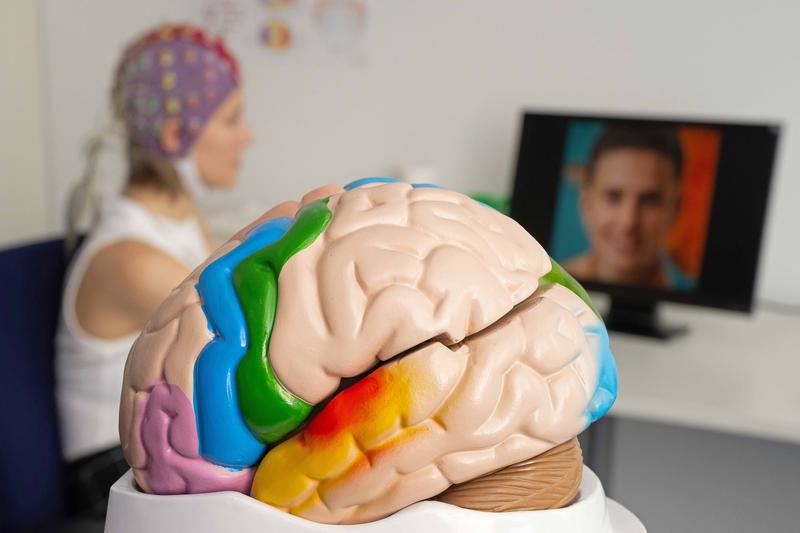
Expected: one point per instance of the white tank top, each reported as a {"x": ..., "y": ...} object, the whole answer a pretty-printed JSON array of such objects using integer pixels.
[{"x": 89, "y": 369}]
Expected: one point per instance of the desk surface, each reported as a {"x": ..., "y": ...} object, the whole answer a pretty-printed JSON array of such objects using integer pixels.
[{"x": 731, "y": 372}]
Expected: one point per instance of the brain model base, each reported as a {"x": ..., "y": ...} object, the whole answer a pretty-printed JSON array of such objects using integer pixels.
[{"x": 367, "y": 348}]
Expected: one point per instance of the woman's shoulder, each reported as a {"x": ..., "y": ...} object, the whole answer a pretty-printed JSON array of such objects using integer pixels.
[
  {"x": 130, "y": 261},
  {"x": 124, "y": 247},
  {"x": 124, "y": 282}
]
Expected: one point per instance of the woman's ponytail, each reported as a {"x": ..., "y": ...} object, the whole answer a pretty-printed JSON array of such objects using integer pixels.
[{"x": 84, "y": 198}]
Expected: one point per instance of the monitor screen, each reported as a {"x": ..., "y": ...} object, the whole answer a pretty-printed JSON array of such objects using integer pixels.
[{"x": 648, "y": 209}]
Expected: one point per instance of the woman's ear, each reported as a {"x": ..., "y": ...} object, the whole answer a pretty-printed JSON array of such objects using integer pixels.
[{"x": 171, "y": 135}]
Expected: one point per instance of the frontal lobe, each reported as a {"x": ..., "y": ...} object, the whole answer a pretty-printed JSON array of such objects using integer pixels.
[{"x": 395, "y": 267}]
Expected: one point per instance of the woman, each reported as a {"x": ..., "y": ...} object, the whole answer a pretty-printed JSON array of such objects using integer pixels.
[{"x": 178, "y": 96}]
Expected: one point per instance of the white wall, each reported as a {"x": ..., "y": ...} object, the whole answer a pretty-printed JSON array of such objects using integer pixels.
[
  {"x": 23, "y": 199},
  {"x": 445, "y": 82}
]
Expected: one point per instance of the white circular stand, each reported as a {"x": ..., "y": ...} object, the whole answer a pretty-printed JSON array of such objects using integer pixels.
[{"x": 132, "y": 511}]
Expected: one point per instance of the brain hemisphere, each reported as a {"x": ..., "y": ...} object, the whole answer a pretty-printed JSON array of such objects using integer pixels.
[
  {"x": 380, "y": 280},
  {"x": 492, "y": 372},
  {"x": 442, "y": 415}
]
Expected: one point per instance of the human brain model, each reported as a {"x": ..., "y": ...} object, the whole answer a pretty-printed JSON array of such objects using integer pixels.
[{"x": 367, "y": 348}]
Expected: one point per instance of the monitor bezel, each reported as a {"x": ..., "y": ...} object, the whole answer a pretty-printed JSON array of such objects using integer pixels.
[{"x": 542, "y": 227}]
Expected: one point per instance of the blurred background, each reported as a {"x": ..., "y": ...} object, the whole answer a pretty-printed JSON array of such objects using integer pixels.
[{"x": 706, "y": 434}]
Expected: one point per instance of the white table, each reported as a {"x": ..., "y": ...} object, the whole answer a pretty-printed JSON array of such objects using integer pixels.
[{"x": 731, "y": 372}]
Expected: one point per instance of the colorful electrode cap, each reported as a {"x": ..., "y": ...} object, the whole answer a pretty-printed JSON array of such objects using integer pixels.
[{"x": 174, "y": 71}]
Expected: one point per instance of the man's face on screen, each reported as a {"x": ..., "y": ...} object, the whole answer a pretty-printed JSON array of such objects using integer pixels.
[{"x": 629, "y": 205}]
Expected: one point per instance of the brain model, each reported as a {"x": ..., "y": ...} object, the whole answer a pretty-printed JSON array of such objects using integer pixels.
[{"x": 364, "y": 349}]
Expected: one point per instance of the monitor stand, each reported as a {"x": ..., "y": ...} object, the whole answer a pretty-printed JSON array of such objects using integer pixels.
[{"x": 639, "y": 318}]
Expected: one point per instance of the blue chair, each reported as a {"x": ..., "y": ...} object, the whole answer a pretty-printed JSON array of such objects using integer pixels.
[{"x": 31, "y": 490}]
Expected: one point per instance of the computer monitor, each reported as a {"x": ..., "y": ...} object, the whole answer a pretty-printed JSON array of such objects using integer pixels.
[{"x": 647, "y": 209}]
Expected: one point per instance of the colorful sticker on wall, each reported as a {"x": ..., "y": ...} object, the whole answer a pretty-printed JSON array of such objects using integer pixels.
[
  {"x": 276, "y": 35},
  {"x": 313, "y": 30},
  {"x": 339, "y": 23},
  {"x": 276, "y": 5},
  {"x": 221, "y": 17}
]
